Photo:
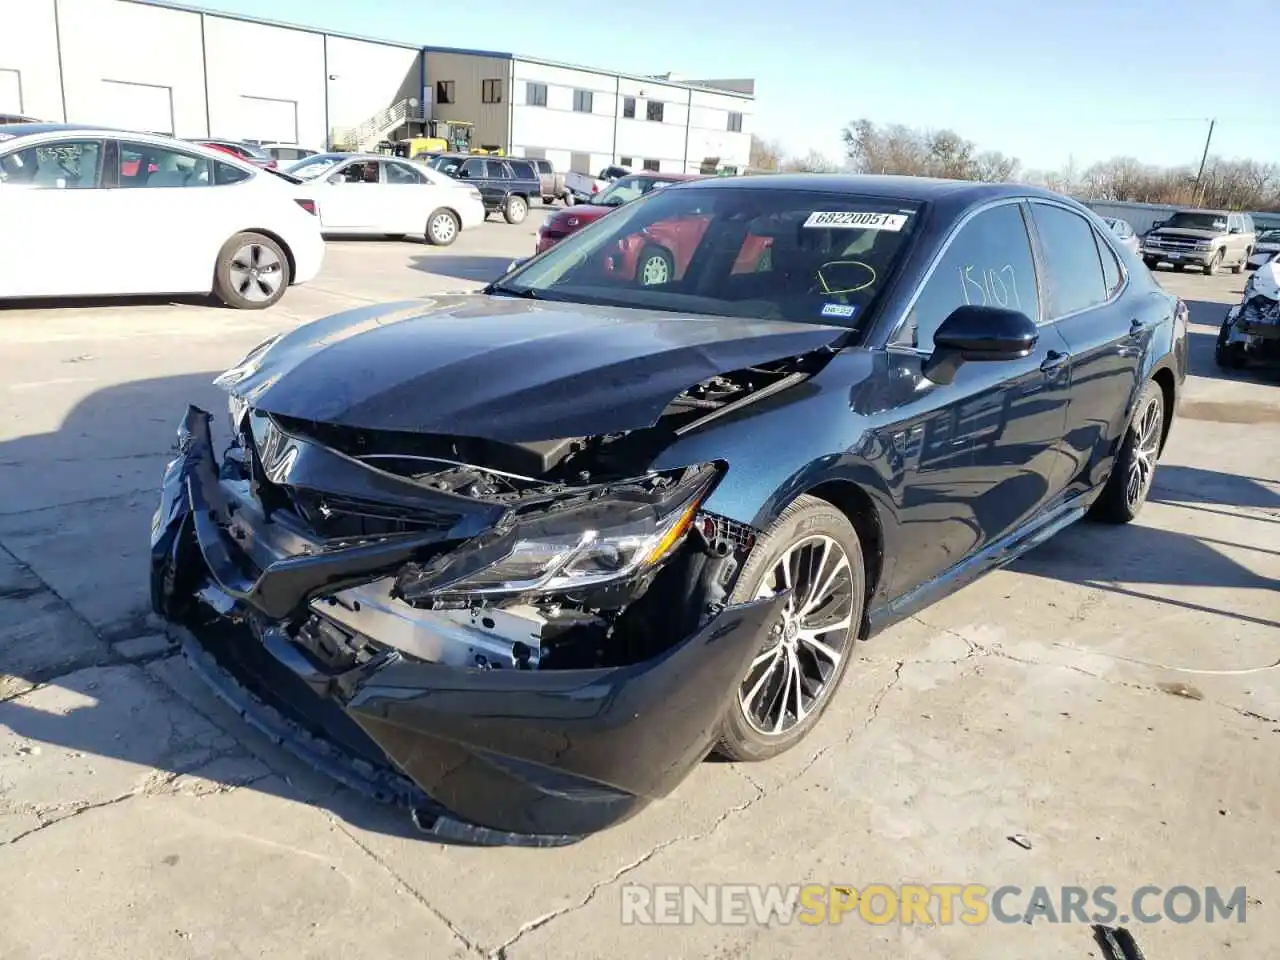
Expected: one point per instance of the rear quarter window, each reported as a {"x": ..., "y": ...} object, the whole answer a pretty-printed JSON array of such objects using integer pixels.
[{"x": 523, "y": 170}]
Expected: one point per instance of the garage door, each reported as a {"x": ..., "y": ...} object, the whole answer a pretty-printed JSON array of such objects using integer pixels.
[
  {"x": 136, "y": 106},
  {"x": 10, "y": 91},
  {"x": 268, "y": 119}
]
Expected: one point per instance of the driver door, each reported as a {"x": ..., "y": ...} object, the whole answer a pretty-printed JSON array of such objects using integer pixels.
[
  {"x": 58, "y": 230},
  {"x": 353, "y": 197}
]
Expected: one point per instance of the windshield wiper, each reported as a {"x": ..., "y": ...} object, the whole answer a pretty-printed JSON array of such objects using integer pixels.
[{"x": 527, "y": 293}]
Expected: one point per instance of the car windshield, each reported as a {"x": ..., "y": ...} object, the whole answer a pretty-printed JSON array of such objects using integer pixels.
[
  {"x": 805, "y": 255},
  {"x": 1197, "y": 221},
  {"x": 1269, "y": 236},
  {"x": 624, "y": 191},
  {"x": 311, "y": 167}
]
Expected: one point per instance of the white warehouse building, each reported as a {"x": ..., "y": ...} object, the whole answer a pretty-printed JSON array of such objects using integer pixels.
[{"x": 169, "y": 68}]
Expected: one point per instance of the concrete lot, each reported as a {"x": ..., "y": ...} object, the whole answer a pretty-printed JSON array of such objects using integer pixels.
[{"x": 1114, "y": 698}]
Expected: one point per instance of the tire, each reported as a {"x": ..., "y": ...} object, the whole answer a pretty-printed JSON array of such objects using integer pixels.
[
  {"x": 1179, "y": 267},
  {"x": 442, "y": 228},
  {"x": 1134, "y": 470},
  {"x": 515, "y": 209},
  {"x": 766, "y": 724},
  {"x": 1239, "y": 267},
  {"x": 654, "y": 266},
  {"x": 1214, "y": 263},
  {"x": 1151, "y": 262},
  {"x": 547, "y": 201},
  {"x": 252, "y": 272}
]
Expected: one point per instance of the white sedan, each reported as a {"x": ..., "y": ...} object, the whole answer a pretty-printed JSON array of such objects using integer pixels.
[
  {"x": 374, "y": 194},
  {"x": 91, "y": 212}
]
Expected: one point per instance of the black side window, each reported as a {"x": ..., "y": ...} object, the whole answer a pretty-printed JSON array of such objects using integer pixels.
[
  {"x": 496, "y": 170},
  {"x": 523, "y": 170},
  {"x": 1112, "y": 274},
  {"x": 988, "y": 263},
  {"x": 1073, "y": 273},
  {"x": 474, "y": 169},
  {"x": 225, "y": 173}
]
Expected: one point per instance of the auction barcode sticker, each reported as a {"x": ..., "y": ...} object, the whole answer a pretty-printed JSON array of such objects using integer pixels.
[{"x": 853, "y": 220}]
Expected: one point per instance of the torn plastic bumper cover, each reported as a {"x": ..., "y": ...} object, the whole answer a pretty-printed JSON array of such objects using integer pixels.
[{"x": 550, "y": 753}]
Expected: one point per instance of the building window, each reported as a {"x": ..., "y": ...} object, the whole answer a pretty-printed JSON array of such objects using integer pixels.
[
  {"x": 491, "y": 91},
  {"x": 651, "y": 164},
  {"x": 626, "y": 162},
  {"x": 629, "y": 107},
  {"x": 653, "y": 111},
  {"x": 535, "y": 94},
  {"x": 583, "y": 101},
  {"x": 444, "y": 91},
  {"x": 735, "y": 123}
]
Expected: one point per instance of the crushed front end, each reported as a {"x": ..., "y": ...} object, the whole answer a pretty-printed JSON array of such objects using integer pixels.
[
  {"x": 1251, "y": 330},
  {"x": 514, "y": 640}
]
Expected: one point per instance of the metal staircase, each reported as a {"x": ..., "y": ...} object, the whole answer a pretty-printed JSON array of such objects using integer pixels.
[{"x": 379, "y": 127}]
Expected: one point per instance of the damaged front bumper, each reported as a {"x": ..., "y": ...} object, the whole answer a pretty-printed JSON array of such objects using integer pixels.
[{"x": 308, "y": 639}]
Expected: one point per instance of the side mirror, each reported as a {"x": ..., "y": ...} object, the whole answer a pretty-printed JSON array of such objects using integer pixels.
[
  {"x": 1235, "y": 230},
  {"x": 336, "y": 179},
  {"x": 464, "y": 174},
  {"x": 979, "y": 334}
]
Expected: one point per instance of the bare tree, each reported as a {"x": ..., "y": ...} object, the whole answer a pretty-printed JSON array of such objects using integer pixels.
[
  {"x": 811, "y": 162},
  {"x": 994, "y": 167},
  {"x": 765, "y": 154}
]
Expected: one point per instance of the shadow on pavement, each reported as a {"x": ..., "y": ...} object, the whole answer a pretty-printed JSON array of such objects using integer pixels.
[
  {"x": 480, "y": 269},
  {"x": 1201, "y": 345},
  {"x": 84, "y": 303},
  {"x": 91, "y": 701},
  {"x": 1105, "y": 556}
]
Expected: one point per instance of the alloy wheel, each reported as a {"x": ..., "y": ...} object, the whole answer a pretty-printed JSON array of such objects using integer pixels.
[
  {"x": 792, "y": 673},
  {"x": 1146, "y": 447},
  {"x": 256, "y": 272}
]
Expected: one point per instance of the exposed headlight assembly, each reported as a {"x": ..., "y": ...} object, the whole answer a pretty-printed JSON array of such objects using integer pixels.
[
  {"x": 248, "y": 366},
  {"x": 610, "y": 538}
]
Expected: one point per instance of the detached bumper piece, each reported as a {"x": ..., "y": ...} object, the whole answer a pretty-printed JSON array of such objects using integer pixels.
[{"x": 479, "y": 751}]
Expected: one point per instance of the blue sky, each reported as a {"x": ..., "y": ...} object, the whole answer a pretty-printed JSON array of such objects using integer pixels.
[{"x": 1045, "y": 82}]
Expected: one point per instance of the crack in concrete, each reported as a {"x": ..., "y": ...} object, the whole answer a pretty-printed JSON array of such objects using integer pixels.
[
  {"x": 48, "y": 586},
  {"x": 405, "y": 886},
  {"x": 873, "y": 711},
  {"x": 977, "y": 649}
]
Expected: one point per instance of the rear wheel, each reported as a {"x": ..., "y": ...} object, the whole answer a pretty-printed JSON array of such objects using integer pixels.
[
  {"x": 1135, "y": 467},
  {"x": 812, "y": 550},
  {"x": 252, "y": 272},
  {"x": 515, "y": 209},
  {"x": 442, "y": 228}
]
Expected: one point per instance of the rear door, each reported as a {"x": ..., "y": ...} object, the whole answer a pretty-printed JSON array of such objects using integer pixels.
[
  {"x": 977, "y": 455},
  {"x": 57, "y": 235},
  {"x": 1105, "y": 332}
]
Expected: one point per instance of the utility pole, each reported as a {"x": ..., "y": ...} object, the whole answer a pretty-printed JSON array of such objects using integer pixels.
[{"x": 1204, "y": 157}]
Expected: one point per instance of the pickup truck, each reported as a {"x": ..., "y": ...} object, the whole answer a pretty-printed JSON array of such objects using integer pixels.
[
  {"x": 1208, "y": 239},
  {"x": 581, "y": 187}
]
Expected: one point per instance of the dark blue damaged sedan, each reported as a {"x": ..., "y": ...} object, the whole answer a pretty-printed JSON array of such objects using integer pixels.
[{"x": 520, "y": 560}]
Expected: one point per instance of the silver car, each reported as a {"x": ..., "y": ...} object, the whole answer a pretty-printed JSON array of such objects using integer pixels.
[{"x": 1124, "y": 232}]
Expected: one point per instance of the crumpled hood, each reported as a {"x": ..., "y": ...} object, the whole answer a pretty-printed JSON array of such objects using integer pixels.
[{"x": 505, "y": 369}]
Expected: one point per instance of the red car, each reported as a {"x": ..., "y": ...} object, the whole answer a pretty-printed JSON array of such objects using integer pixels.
[
  {"x": 245, "y": 151},
  {"x": 623, "y": 190}
]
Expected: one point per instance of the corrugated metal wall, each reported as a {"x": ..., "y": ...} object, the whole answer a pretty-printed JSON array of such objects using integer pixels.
[{"x": 465, "y": 76}]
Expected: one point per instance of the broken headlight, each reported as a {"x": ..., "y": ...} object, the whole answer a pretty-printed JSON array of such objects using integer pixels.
[
  {"x": 582, "y": 545},
  {"x": 246, "y": 367}
]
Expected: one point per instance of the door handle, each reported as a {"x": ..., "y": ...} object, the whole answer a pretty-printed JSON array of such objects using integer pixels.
[{"x": 1053, "y": 360}]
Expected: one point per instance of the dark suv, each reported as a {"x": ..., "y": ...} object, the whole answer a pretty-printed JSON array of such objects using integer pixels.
[{"x": 506, "y": 184}]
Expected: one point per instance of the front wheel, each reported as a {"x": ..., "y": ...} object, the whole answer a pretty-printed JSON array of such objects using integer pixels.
[
  {"x": 812, "y": 551},
  {"x": 1151, "y": 262},
  {"x": 1135, "y": 467},
  {"x": 251, "y": 273},
  {"x": 515, "y": 210},
  {"x": 1239, "y": 267},
  {"x": 442, "y": 228},
  {"x": 1214, "y": 263}
]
